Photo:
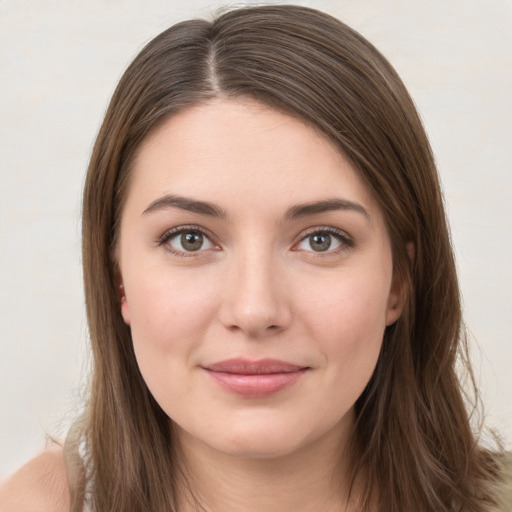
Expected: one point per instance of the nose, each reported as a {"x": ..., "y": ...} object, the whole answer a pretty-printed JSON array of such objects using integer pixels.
[{"x": 255, "y": 296}]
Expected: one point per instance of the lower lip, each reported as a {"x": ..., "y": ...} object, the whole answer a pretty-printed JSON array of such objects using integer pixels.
[{"x": 256, "y": 386}]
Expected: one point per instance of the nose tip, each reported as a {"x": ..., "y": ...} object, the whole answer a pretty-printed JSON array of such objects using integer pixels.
[
  {"x": 255, "y": 301},
  {"x": 255, "y": 324}
]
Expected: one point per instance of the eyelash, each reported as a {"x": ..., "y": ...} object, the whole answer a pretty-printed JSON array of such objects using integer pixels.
[
  {"x": 171, "y": 233},
  {"x": 345, "y": 241}
]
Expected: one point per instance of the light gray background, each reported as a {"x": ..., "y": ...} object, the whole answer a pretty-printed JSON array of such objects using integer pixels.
[{"x": 59, "y": 63}]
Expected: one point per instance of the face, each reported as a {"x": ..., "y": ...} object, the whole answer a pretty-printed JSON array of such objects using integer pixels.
[{"x": 258, "y": 279}]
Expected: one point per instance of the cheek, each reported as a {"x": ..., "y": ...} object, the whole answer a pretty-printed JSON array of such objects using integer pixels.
[
  {"x": 165, "y": 308},
  {"x": 354, "y": 305},
  {"x": 347, "y": 323},
  {"x": 169, "y": 316}
]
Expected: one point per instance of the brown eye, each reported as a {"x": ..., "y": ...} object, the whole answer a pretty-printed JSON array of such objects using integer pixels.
[
  {"x": 320, "y": 242},
  {"x": 324, "y": 240},
  {"x": 187, "y": 241},
  {"x": 191, "y": 241}
]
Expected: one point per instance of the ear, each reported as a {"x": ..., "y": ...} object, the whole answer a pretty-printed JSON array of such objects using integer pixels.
[
  {"x": 396, "y": 300},
  {"x": 125, "y": 309},
  {"x": 398, "y": 293}
]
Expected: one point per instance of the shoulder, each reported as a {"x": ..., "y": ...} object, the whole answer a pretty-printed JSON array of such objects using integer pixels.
[{"x": 40, "y": 485}]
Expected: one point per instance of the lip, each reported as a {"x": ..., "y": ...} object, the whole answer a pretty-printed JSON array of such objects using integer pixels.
[{"x": 255, "y": 379}]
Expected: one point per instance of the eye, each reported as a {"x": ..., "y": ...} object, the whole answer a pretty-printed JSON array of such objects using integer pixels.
[
  {"x": 324, "y": 240},
  {"x": 185, "y": 240}
]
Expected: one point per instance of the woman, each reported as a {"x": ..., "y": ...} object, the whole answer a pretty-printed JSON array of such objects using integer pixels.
[{"x": 271, "y": 292}]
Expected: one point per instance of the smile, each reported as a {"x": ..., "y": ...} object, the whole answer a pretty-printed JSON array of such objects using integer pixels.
[{"x": 255, "y": 379}]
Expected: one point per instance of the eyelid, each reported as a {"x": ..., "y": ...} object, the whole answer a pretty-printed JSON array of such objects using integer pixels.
[
  {"x": 347, "y": 242},
  {"x": 345, "y": 239},
  {"x": 178, "y": 230}
]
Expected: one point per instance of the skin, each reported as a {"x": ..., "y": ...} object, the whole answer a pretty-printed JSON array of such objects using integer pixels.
[
  {"x": 258, "y": 286},
  {"x": 40, "y": 485}
]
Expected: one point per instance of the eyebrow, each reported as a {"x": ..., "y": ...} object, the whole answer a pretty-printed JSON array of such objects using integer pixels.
[
  {"x": 295, "y": 212},
  {"x": 327, "y": 205},
  {"x": 184, "y": 203}
]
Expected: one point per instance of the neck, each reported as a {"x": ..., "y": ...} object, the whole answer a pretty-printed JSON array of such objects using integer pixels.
[{"x": 312, "y": 478}]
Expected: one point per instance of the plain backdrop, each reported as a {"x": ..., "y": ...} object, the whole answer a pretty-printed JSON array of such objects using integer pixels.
[{"x": 59, "y": 63}]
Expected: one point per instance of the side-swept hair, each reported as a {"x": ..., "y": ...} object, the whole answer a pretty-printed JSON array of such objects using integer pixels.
[{"x": 413, "y": 444}]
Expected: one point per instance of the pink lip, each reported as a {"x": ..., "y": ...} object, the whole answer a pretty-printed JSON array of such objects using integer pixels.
[{"x": 255, "y": 379}]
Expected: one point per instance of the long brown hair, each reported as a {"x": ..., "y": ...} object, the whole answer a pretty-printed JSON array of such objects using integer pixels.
[{"x": 413, "y": 441}]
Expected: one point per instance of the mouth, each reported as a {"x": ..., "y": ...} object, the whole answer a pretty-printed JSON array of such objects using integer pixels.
[{"x": 255, "y": 379}]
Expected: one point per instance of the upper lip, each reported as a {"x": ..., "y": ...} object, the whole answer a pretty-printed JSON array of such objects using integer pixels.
[{"x": 248, "y": 367}]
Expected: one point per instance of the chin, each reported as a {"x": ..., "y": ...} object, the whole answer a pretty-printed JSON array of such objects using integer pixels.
[
  {"x": 264, "y": 440},
  {"x": 261, "y": 447}
]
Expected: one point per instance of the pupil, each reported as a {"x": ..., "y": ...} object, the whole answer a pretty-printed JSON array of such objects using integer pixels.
[
  {"x": 320, "y": 242},
  {"x": 192, "y": 241}
]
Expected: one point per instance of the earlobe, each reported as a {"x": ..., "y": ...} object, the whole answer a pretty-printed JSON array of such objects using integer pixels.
[
  {"x": 395, "y": 307},
  {"x": 411, "y": 251},
  {"x": 396, "y": 300},
  {"x": 125, "y": 309},
  {"x": 399, "y": 292}
]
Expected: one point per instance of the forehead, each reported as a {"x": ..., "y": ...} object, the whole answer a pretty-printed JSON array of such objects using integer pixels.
[{"x": 244, "y": 155}]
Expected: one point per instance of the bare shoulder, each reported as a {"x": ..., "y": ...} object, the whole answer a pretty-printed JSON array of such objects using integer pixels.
[{"x": 40, "y": 485}]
